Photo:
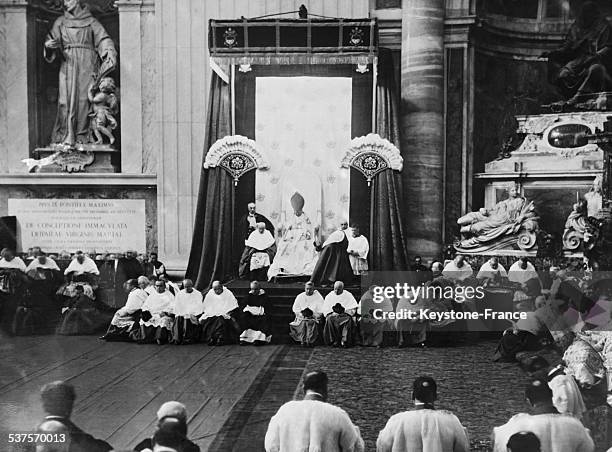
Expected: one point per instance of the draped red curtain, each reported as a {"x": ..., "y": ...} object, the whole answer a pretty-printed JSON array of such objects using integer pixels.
[
  {"x": 387, "y": 225},
  {"x": 211, "y": 248}
]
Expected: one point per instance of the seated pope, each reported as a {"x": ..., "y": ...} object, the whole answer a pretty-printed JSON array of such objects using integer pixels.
[
  {"x": 218, "y": 321},
  {"x": 259, "y": 251},
  {"x": 583, "y": 65},
  {"x": 296, "y": 252}
]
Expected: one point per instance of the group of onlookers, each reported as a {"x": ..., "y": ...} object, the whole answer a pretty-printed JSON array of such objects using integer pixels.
[{"x": 314, "y": 424}]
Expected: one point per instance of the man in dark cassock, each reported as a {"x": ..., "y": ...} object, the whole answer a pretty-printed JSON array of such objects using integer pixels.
[
  {"x": 57, "y": 400},
  {"x": 259, "y": 251},
  {"x": 334, "y": 263},
  {"x": 583, "y": 65},
  {"x": 219, "y": 325},
  {"x": 128, "y": 267},
  {"x": 82, "y": 315},
  {"x": 154, "y": 266},
  {"x": 253, "y": 320},
  {"x": 248, "y": 222}
]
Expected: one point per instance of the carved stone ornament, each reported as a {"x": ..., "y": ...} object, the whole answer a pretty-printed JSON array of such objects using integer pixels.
[
  {"x": 235, "y": 154},
  {"x": 356, "y": 36},
  {"x": 230, "y": 38},
  {"x": 509, "y": 225},
  {"x": 71, "y": 161},
  {"x": 372, "y": 154}
]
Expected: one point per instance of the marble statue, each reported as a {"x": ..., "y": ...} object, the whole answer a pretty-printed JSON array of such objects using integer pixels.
[
  {"x": 510, "y": 222},
  {"x": 594, "y": 197},
  {"x": 85, "y": 50},
  {"x": 104, "y": 105},
  {"x": 575, "y": 226},
  {"x": 583, "y": 65}
]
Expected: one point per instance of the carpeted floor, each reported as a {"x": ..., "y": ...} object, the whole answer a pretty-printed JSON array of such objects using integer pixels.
[{"x": 372, "y": 384}]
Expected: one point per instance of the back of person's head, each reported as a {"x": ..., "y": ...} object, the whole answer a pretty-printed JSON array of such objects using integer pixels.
[
  {"x": 425, "y": 389},
  {"x": 170, "y": 433},
  {"x": 58, "y": 398},
  {"x": 523, "y": 442},
  {"x": 174, "y": 410},
  {"x": 538, "y": 392},
  {"x": 316, "y": 382}
]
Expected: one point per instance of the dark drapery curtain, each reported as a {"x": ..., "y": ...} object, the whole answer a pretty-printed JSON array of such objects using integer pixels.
[
  {"x": 211, "y": 248},
  {"x": 387, "y": 226}
]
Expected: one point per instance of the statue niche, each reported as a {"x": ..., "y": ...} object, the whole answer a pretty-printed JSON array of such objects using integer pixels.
[
  {"x": 87, "y": 103},
  {"x": 509, "y": 224},
  {"x": 583, "y": 65}
]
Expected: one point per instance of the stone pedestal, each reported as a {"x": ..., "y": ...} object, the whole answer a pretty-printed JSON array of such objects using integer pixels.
[{"x": 87, "y": 158}]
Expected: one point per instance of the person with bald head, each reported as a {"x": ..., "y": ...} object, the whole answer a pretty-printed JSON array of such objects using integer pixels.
[
  {"x": 312, "y": 424},
  {"x": 156, "y": 320},
  {"x": 218, "y": 321},
  {"x": 170, "y": 430},
  {"x": 424, "y": 428},
  {"x": 253, "y": 319},
  {"x": 308, "y": 309},
  {"x": 258, "y": 254},
  {"x": 57, "y": 400},
  {"x": 127, "y": 316},
  {"x": 188, "y": 307},
  {"x": 248, "y": 222},
  {"x": 339, "y": 309}
]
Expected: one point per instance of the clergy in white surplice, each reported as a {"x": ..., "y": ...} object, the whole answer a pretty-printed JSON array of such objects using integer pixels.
[
  {"x": 339, "y": 309},
  {"x": 156, "y": 320},
  {"x": 358, "y": 250},
  {"x": 188, "y": 307},
  {"x": 308, "y": 309},
  {"x": 458, "y": 269},
  {"x": 218, "y": 321},
  {"x": 123, "y": 321},
  {"x": 8, "y": 260},
  {"x": 492, "y": 270},
  {"x": 259, "y": 251},
  {"x": 312, "y": 424},
  {"x": 423, "y": 429},
  {"x": 522, "y": 271},
  {"x": 556, "y": 432}
]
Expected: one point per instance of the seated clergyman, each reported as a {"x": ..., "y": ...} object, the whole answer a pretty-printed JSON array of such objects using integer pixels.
[
  {"x": 339, "y": 309},
  {"x": 458, "y": 269},
  {"x": 308, "y": 310},
  {"x": 253, "y": 319},
  {"x": 156, "y": 321},
  {"x": 372, "y": 323},
  {"x": 424, "y": 428},
  {"x": 82, "y": 270},
  {"x": 127, "y": 317},
  {"x": 218, "y": 322},
  {"x": 492, "y": 271},
  {"x": 82, "y": 315},
  {"x": 188, "y": 307},
  {"x": 259, "y": 251}
]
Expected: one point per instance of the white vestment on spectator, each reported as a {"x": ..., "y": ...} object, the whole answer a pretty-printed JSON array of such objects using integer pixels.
[
  {"x": 158, "y": 303},
  {"x": 15, "y": 262},
  {"x": 346, "y": 299},
  {"x": 566, "y": 395},
  {"x": 518, "y": 275},
  {"x": 451, "y": 271},
  {"x": 313, "y": 302},
  {"x": 556, "y": 432},
  {"x": 423, "y": 431},
  {"x": 361, "y": 246},
  {"x": 88, "y": 266},
  {"x": 135, "y": 300},
  {"x": 487, "y": 271},
  {"x": 49, "y": 265},
  {"x": 188, "y": 304},
  {"x": 312, "y": 425},
  {"x": 216, "y": 305}
]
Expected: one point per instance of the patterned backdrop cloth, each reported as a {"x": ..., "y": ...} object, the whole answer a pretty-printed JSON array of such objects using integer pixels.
[{"x": 303, "y": 125}]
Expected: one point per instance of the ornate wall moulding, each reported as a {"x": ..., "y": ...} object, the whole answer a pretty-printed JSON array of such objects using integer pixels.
[
  {"x": 371, "y": 154},
  {"x": 236, "y": 154}
]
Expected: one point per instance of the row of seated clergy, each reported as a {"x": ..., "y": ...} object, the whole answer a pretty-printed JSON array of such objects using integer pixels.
[
  {"x": 189, "y": 317},
  {"x": 332, "y": 318}
]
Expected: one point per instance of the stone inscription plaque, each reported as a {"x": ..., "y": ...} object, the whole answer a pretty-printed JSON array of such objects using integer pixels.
[{"x": 114, "y": 225}]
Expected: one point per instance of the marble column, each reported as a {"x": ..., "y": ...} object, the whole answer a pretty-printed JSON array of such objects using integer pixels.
[
  {"x": 422, "y": 123},
  {"x": 16, "y": 77}
]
